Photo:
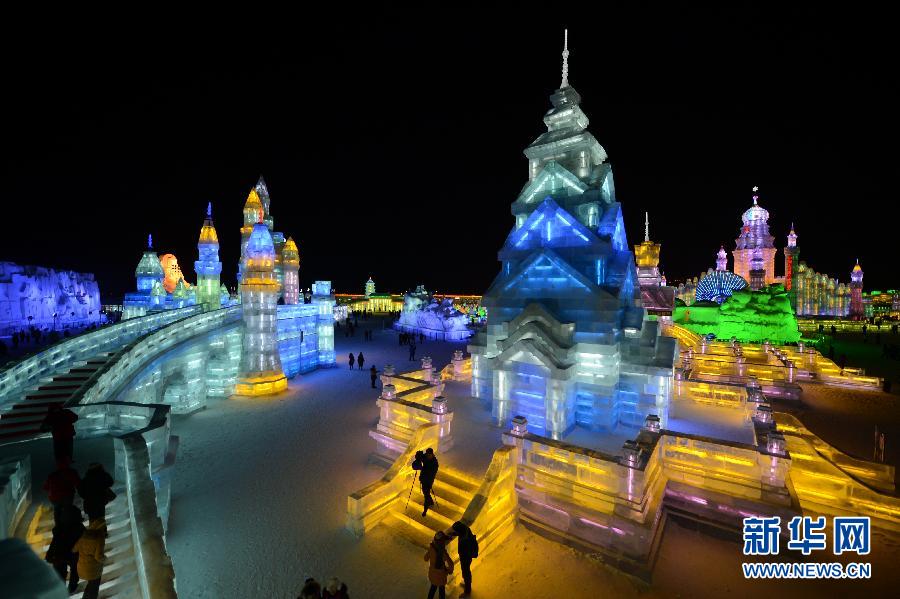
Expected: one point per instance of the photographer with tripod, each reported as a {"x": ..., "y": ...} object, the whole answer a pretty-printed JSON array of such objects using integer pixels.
[{"x": 427, "y": 465}]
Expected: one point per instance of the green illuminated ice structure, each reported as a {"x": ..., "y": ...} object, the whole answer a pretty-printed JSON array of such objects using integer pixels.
[
  {"x": 566, "y": 341},
  {"x": 749, "y": 316}
]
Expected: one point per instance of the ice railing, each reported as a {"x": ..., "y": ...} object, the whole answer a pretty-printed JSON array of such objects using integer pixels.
[
  {"x": 103, "y": 383},
  {"x": 368, "y": 506},
  {"x": 781, "y": 366},
  {"x": 144, "y": 453},
  {"x": 613, "y": 503},
  {"x": 18, "y": 376},
  {"x": 408, "y": 401},
  {"x": 15, "y": 492},
  {"x": 874, "y": 474},
  {"x": 823, "y": 487},
  {"x": 459, "y": 368}
]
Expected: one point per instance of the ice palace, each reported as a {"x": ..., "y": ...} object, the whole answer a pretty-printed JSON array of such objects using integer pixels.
[{"x": 577, "y": 420}]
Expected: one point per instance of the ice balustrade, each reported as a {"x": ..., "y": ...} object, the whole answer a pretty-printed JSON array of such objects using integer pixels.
[
  {"x": 612, "y": 503},
  {"x": 15, "y": 492},
  {"x": 825, "y": 488},
  {"x": 874, "y": 474},
  {"x": 408, "y": 401},
  {"x": 368, "y": 506},
  {"x": 18, "y": 376},
  {"x": 459, "y": 368},
  {"x": 106, "y": 381},
  {"x": 779, "y": 366}
]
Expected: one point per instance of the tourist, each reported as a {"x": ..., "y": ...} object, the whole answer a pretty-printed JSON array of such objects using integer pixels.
[
  {"x": 360, "y": 360},
  {"x": 467, "y": 546},
  {"x": 60, "y": 553},
  {"x": 412, "y": 352},
  {"x": 842, "y": 362},
  {"x": 440, "y": 566},
  {"x": 90, "y": 549},
  {"x": 373, "y": 374},
  {"x": 335, "y": 589},
  {"x": 96, "y": 491},
  {"x": 61, "y": 424},
  {"x": 60, "y": 487},
  {"x": 427, "y": 465},
  {"x": 350, "y": 360},
  {"x": 311, "y": 590}
]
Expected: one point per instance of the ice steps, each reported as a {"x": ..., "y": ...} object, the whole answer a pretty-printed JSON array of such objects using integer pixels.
[{"x": 120, "y": 579}]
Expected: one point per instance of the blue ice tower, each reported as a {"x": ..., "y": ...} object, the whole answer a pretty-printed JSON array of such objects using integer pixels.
[
  {"x": 150, "y": 294},
  {"x": 566, "y": 341}
]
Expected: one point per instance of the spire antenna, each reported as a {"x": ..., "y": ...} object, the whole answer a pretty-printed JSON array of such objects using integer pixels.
[
  {"x": 646, "y": 226},
  {"x": 209, "y": 210},
  {"x": 150, "y": 242},
  {"x": 565, "y": 66}
]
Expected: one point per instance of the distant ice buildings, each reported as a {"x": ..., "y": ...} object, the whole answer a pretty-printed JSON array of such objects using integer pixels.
[{"x": 49, "y": 299}]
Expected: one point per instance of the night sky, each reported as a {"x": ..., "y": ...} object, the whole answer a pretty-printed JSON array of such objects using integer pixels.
[{"x": 392, "y": 142}]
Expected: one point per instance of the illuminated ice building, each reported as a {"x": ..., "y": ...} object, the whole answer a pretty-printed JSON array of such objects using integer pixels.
[
  {"x": 566, "y": 340},
  {"x": 208, "y": 267},
  {"x": 304, "y": 332},
  {"x": 754, "y": 253},
  {"x": 261, "y": 372}
]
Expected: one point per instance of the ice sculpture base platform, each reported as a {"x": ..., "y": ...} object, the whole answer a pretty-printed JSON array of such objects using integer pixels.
[{"x": 263, "y": 384}]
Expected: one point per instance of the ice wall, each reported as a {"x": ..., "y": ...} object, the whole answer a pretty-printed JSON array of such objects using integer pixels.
[{"x": 46, "y": 298}]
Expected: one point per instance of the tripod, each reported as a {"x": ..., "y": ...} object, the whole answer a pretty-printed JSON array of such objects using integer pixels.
[{"x": 411, "y": 487}]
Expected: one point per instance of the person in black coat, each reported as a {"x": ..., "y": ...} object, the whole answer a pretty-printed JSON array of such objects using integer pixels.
[
  {"x": 360, "y": 360},
  {"x": 467, "y": 546},
  {"x": 96, "y": 491},
  {"x": 427, "y": 465},
  {"x": 373, "y": 374}
]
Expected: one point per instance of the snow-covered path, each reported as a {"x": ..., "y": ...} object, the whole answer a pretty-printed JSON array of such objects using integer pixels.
[{"x": 259, "y": 498}]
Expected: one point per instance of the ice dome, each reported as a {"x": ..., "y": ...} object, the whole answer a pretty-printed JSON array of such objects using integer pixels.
[
  {"x": 260, "y": 250},
  {"x": 755, "y": 213}
]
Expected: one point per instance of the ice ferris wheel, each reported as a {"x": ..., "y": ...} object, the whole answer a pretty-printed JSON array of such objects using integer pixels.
[{"x": 718, "y": 286}]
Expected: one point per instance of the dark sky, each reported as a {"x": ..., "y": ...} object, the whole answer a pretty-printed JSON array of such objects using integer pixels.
[{"x": 392, "y": 142}]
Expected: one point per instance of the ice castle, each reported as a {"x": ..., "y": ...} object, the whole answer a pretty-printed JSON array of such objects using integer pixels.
[{"x": 566, "y": 341}]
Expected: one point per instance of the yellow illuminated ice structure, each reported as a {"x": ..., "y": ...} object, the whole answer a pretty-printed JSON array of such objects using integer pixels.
[
  {"x": 646, "y": 254},
  {"x": 173, "y": 272}
]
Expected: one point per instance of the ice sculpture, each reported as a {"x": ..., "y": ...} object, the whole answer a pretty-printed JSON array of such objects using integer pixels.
[
  {"x": 749, "y": 316},
  {"x": 291, "y": 266},
  {"x": 261, "y": 372},
  {"x": 46, "y": 298},
  {"x": 718, "y": 286},
  {"x": 208, "y": 267},
  {"x": 565, "y": 341},
  {"x": 436, "y": 319},
  {"x": 370, "y": 287},
  {"x": 149, "y": 274},
  {"x": 173, "y": 274}
]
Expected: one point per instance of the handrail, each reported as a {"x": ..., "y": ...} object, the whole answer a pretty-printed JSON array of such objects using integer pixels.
[
  {"x": 18, "y": 375},
  {"x": 110, "y": 371}
]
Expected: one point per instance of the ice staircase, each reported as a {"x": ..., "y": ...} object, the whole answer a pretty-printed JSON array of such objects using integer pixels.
[
  {"x": 23, "y": 419},
  {"x": 452, "y": 492},
  {"x": 120, "y": 578}
]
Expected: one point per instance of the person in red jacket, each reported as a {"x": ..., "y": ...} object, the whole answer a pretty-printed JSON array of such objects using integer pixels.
[
  {"x": 61, "y": 424},
  {"x": 60, "y": 487}
]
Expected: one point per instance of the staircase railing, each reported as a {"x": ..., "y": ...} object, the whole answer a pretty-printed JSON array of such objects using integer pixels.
[
  {"x": 368, "y": 506},
  {"x": 28, "y": 371}
]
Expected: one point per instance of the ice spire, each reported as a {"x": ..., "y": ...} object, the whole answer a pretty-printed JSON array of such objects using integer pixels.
[
  {"x": 646, "y": 226},
  {"x": 149, "y": 241},
  {"x": 565, "y": 65},
  {"x": 755, "y": 196},
  {"x": 209, "y": 210}
]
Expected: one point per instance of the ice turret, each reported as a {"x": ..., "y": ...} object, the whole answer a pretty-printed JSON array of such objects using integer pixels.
[
  {"x": 290, "y": 259},
  {"x": 208, "y": 267},
  {"x": 261, "y": 372}
]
